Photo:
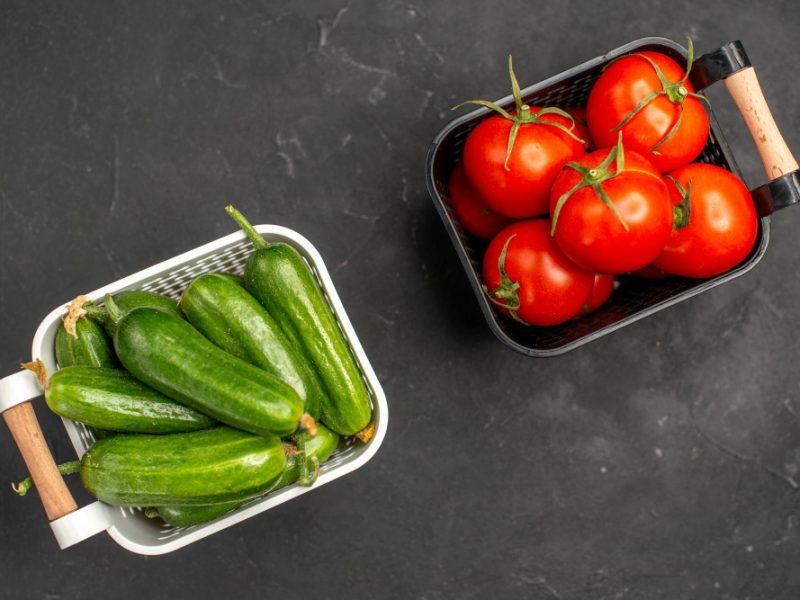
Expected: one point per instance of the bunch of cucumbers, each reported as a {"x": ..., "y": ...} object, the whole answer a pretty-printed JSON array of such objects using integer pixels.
[{"x": 242, "y": 387}]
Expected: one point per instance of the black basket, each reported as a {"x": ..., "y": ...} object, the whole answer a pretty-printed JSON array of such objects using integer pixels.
[{"x": 635, "y": 298}]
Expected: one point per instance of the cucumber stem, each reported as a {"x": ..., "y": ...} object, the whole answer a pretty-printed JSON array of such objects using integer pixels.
[
  {"x": 257, "y": 240},
  {"x": 67, "y": 468},
  {"x": 75, "y": 311},
  {"x": 307, "y": 477},
  {"x": 37, "y": 367},
  {"x": 96, "y": 313},
  {"x": 307, "y": 423},
  {"x": 112, "y": 310},
  {"x": 366, "y": 434}
]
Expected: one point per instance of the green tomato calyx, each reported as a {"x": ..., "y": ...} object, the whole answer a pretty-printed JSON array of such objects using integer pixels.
[
  {"x": 594, "y": 177},
  {"x": 522, "y": 115},
  {"x": 676, "y": 92},
  {"x": 506, "y": 295}
]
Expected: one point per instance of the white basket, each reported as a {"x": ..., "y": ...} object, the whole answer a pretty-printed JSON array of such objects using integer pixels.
[{"x": 129, "y": 527}]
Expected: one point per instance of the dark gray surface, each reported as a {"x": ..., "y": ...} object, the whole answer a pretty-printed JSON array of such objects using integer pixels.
[{"x": 660, "y": 462}]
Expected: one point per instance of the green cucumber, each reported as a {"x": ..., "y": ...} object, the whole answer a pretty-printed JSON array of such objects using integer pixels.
[
  {"x": 321, "y": 446},
  {"x": 201, "y": 467},
  {"x": 171, "y": 356},
  {"x": 114, "y": 400},
  {"x": 130, "y": 299},
  {"x": 90, "y": 346},
  {"x": 230, "y": 317},
  {"x": 233, "y": 278},
  {"x": 184, "y": 516},
  {"x": 125, "y": 302},
  {"x": 278, "y": 276},
  {"x": 317, "y": 449}
]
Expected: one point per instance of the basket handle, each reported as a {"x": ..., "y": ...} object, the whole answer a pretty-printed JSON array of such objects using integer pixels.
[
  {"x": 69, "y": 523},
  {"x": 16, "y": 392},
  {"x": 731, "y": 64},
  {"x": 746, "y": 92}
]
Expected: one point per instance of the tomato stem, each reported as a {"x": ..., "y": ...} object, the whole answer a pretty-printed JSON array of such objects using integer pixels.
[
  {"x": 517, "y": 93},
  {"x": 682, "y": 212},
  {"x": 676, "y": 92},
  {"x": 594, "y": 178},
  {"x": 506, "y": 295},
  {"x": 669, "y": 134},
  {"x": 566, "y": 196},
  {"x": 522, "y": 115}
]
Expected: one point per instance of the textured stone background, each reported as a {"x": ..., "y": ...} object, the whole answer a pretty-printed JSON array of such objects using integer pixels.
[{"x": 660, "y": 462}]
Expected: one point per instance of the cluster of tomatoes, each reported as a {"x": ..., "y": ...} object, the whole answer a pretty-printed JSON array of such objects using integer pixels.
[{"x": 564, "y": 219}]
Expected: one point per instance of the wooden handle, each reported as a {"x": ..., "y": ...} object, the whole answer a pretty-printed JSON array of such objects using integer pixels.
[
  {"x": 24, "y": 426},
  {"x": 775, "y": 154}
]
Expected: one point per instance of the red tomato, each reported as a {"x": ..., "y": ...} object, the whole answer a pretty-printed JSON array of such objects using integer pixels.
[
  {"x": 539, "y": 152},
  {"x": 629, "y": 81},
  {"x": 650, "y": 272},
  {"x": 722, "y": 223},
  {"x": 601, "y": 291},
  {"x": 530, "y": 279},
  {"x": 472, "y": 213},
  {"x": 588, "y": 230}
]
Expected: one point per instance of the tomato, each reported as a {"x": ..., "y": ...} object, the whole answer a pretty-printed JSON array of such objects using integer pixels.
[
  {"x": 530, "y": 279},
  {"x": 601, "y": 291},
  {"x": 512, "y": 158},
  {"x": 650, "y": 272},
  {"x": 626, "y": 234},
  {"x": 671, "y": 128},
  {"x": 539, "y": 152},
  {"x": 722, "y": 223},
  {"x": 470, "y": 210}
]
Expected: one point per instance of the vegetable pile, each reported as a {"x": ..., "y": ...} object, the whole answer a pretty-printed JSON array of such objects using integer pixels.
[
  {"x": 244, "y": 386},
  {"x": 568, "y": 198}
]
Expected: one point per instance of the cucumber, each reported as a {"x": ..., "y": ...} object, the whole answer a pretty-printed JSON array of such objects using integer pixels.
[
  {"x": 201, "y": 467},
  {"x": 114, "y": 400},
  {"x": 233, "y": 278},
  {"x": 281, "y": 280},
  {"x": 91, "y": 347},
  {"x": 171, "y": 356},
  {"x": 320, "y": 446},
  {"x": 125, "y": 302},
  {"x": 230, "y": 317},
  {"x": 184, "y": 516},
  {"x": 130, "y": 299}
]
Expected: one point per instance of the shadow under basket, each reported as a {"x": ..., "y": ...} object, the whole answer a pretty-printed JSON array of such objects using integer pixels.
[{"x": 634, "y": 298}]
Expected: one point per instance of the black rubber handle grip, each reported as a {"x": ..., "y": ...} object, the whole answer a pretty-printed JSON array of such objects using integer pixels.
[{"x": 719, "y": 64}]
